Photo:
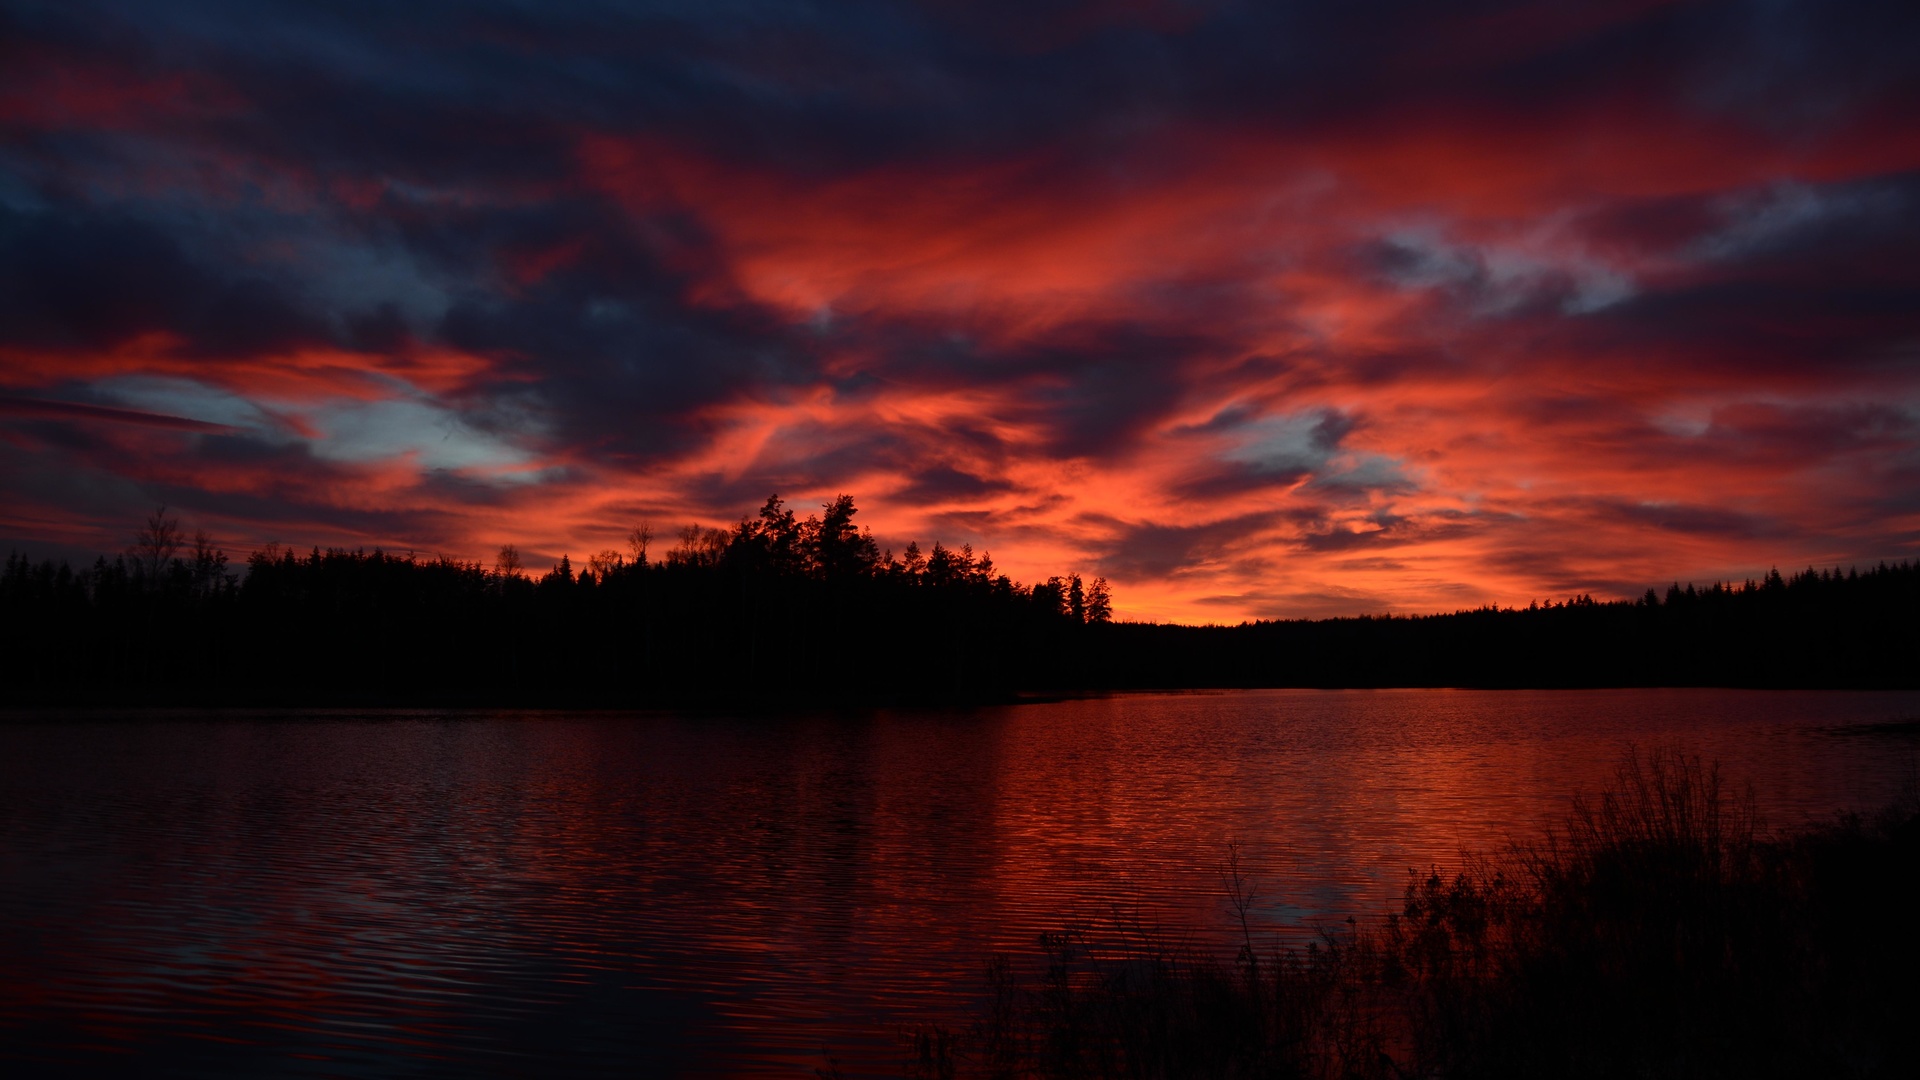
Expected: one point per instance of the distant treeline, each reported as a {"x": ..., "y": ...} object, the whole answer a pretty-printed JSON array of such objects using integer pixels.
[
  {"x": 777, "y": 608},
  {"x": 801, "y": 612},
  {"x": 1816, "y": 628}
]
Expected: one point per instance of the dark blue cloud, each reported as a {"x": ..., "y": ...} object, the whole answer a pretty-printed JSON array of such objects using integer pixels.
[{"x": 251, "y": 180}]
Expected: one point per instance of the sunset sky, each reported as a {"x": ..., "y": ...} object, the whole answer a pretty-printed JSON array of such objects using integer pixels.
[{"x": 1259, "y": 310}]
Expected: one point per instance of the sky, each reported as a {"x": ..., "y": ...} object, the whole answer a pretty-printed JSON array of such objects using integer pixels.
[{"x": 1258, "y": 310}]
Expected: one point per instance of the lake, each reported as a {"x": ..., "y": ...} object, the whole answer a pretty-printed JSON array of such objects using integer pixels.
[{"x": 430, "y": 893}]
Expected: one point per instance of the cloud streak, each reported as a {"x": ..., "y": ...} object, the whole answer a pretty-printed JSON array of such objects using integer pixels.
[{"x": 1259, "y": 310}]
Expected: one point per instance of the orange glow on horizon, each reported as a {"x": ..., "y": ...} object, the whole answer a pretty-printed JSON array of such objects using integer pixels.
[{"x": 1387, "y": 351}]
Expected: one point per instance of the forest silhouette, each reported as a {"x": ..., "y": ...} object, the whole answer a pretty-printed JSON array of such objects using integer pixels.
[
  {"x": 804, "y": 612},
  {"x": 790, "y": 610}
]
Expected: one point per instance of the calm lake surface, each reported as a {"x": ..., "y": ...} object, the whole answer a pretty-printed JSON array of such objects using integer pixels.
[{"x": 414, "y": 893}]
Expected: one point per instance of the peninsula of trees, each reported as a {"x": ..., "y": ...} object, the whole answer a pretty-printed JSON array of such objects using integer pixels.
[{"x": 793, "y": 612}]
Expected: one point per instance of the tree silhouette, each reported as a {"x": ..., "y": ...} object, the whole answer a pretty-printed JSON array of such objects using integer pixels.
[
  {"x": 507, "y": 564},
  {"x": 155, "y": 545},
  {"x": 637, "y": 542},
  {"x": 1100, "y": 601},
  {"x": 775, "y": 603}
]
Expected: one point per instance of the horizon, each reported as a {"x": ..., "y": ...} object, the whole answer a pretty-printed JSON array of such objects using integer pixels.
[{"x": 1260, "y": 314}]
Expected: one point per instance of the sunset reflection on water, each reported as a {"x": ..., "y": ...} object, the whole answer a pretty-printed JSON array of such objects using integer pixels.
[{"x": 494, "y": 893}]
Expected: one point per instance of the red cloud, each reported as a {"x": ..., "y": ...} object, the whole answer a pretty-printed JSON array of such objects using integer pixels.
[{"x": 1441, "y": 342}]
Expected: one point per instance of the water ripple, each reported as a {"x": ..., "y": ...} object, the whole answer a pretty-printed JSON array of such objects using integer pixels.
[{"x": 432, "y": 894}]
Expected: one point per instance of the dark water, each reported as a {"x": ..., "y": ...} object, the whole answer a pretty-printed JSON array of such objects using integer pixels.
[{"x": 421, "y": 893}]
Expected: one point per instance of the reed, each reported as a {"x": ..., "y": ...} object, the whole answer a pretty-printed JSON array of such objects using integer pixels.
[{"x": 1658, "y": 931}]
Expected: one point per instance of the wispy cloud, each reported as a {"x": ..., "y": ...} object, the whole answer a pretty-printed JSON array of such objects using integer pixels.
[{"x": 1259, "y": 310}]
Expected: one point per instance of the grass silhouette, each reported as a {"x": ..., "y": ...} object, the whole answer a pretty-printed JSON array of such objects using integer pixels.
[{"x": 1659, "y": 931}]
